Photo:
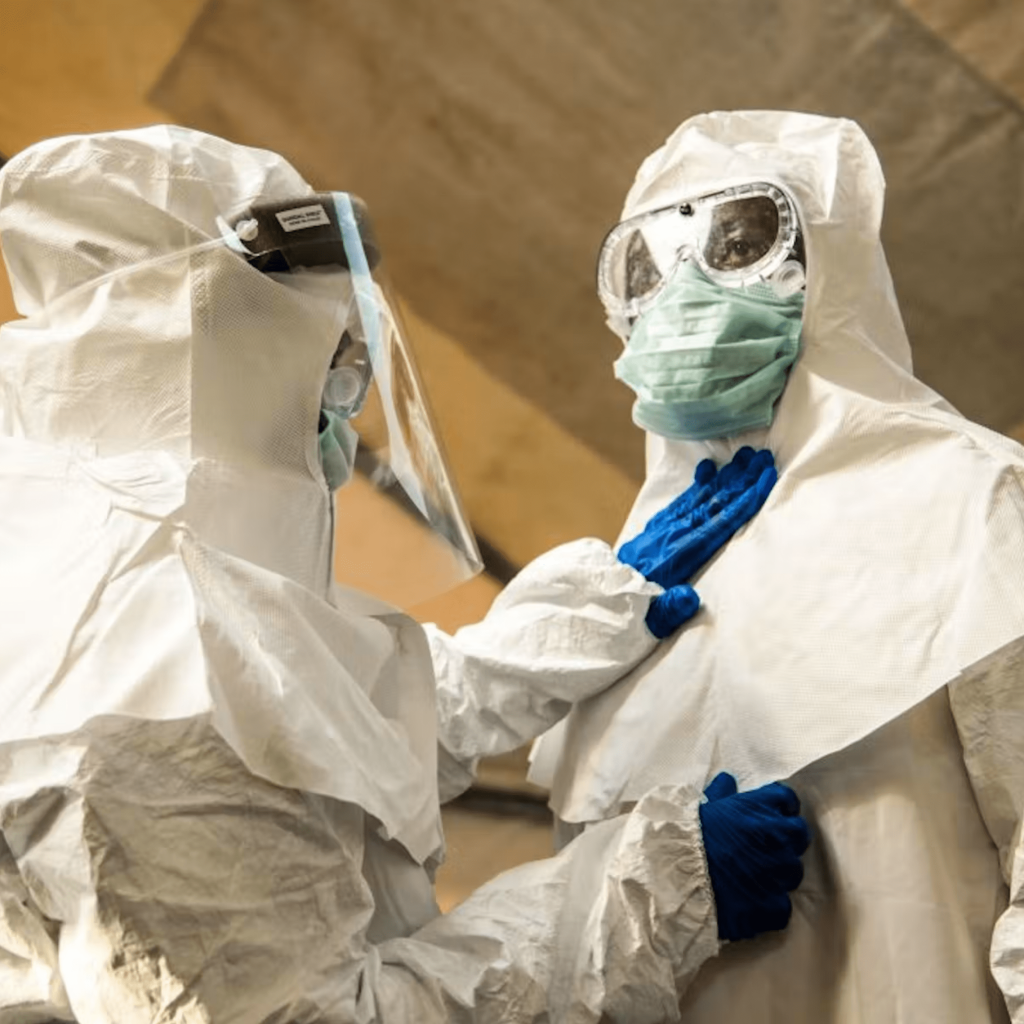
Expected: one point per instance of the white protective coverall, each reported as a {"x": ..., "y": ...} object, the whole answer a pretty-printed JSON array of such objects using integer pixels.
[
  {"x": 218, "y": 774},
  {"x": 863, "y": 638}
]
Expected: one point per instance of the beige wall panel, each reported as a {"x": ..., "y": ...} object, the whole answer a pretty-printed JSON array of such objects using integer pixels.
[
  {"x": 527, "y": 483},
  {"x": 481, "y": 846},
  {"x": 7, "y": 310},
  {"x": 988, "y": 34},
  {"x": 70, "y": 66}
]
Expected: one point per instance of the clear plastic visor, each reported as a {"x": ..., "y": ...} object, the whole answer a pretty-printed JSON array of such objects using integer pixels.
[
  {"x": 400, "y": 531},
  {"x": 738, "y": 237}
]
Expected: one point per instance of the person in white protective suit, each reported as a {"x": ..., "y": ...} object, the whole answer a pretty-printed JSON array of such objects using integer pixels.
[
  {"x": 866, "y": 637},
  {"x": 219, "y": 771}
]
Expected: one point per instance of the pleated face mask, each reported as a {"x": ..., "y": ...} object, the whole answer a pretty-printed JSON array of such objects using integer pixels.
[{"x": 706, "y": 360}]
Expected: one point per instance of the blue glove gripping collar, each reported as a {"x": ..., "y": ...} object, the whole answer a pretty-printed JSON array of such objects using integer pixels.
[{"x": 682, "y": 537}]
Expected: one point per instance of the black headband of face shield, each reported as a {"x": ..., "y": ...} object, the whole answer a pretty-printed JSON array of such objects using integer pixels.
[{"x": 302, "y": 232}]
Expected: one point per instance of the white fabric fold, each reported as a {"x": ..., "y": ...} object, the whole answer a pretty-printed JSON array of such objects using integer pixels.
[
  {"x": 567, "y": 627},
  {"x": 218, "y": 774}
]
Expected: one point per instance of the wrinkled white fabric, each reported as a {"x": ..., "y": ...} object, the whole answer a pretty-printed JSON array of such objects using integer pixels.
[
  {"x": 988, "y": 705},
  {"x": 218, "y": 775},
  {"x": 887, "y": 562},
  {"x": 30, "y": 980},
  {"x": 166, "y": 520},
  {"x": 566, "y": 628},
  {"x": 183, "y": 888}
]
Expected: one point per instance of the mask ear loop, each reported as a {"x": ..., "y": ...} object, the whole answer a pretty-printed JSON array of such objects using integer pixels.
[{"x": 369, "y": 304}]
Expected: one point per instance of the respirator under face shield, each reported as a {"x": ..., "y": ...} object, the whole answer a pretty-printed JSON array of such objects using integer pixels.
[{"x": 401, "y": 533}]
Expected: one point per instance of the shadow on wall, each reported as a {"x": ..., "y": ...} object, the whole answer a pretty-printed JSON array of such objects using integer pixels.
[{"x": 495, "y": 146}]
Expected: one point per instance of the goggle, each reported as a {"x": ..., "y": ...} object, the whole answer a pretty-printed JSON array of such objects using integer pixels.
[{"x": 740, "y": 236}]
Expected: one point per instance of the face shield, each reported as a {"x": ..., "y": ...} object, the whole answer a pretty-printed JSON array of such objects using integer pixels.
[
  {"x": 400, "y": 532},
  {"x": 739, "y": 237}
]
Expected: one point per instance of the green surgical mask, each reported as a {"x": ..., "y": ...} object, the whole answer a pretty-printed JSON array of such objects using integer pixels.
[
  {"x": 338, "y": 443},
  {"x": 707, "y": 361}
]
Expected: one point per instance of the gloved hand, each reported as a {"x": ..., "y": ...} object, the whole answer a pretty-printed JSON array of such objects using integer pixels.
[
  {"x": 684, "y": 535},
  {"x": 753, "y": 842}
]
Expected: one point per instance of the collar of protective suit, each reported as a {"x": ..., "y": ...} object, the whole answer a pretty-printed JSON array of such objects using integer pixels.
[
  {"x": 889, "y": 556},
  {"x": 165, "y": 526}
]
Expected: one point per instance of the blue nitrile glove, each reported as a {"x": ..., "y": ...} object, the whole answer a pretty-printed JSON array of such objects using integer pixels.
[
  {"x": 753, "y": 842},
  {"x": 684, "y": 535}
]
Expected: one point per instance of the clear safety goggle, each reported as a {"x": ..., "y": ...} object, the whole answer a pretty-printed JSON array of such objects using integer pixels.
[
  {"x": 738, "y": 237},
  {"x": 418, "y": 542}
]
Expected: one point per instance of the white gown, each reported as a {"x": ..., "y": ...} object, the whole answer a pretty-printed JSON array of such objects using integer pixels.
[{"x": 881, "y": 586}]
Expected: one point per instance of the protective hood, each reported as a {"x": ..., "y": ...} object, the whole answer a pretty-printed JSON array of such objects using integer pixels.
[
  {"x": 165, "y": 524},
  {"x": 833, "y": 173},
  {"x": 887, "y": 559}
]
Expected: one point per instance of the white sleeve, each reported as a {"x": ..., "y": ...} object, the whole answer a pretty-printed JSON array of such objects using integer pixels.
[
  {"x": 567, "y": 627},
  {"x": 184, "y": 888},
  {"x": 612, "y": 929},
  {"x": 988, "y": 707}
]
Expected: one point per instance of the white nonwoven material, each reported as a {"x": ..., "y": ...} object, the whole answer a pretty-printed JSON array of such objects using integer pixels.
[
  {"x": 568, "y": 626},
  {"x": 861, "y": 638},
  {"x": 218, "y": 773},
  {"x": 166, "y": 518}
]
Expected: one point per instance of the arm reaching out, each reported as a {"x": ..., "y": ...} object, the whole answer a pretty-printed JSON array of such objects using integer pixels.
[{"x": 580, "y": 617}]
